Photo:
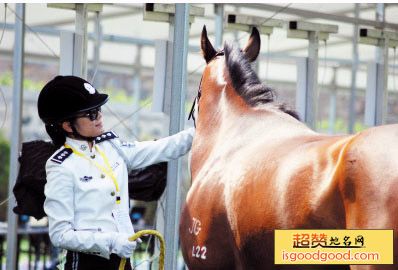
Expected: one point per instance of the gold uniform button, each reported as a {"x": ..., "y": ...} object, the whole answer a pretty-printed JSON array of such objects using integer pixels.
[
  {"x": 112, "y": 193},
  {"x": 102, "y": 176}
]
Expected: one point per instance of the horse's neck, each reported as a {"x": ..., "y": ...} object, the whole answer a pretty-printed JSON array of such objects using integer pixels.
[
  {"x": 225, "y": 119},
  {"x": 224, "y": 116}
]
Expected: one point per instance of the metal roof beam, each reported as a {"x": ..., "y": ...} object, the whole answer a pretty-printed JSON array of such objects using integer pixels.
[
  {"x": 91, "y": 36},
  {"x": 314, "y": 14},
  {"x": 244, "y": 22},
  {"x": 132, "y": 11},
  {"x": 363, "y": 7},
  {"x": 343, "y": 40},
  {"x": 35, "y": 58}
]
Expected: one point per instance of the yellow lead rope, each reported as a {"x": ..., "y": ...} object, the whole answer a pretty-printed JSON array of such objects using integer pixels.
[{"x": 162, "y": 247}]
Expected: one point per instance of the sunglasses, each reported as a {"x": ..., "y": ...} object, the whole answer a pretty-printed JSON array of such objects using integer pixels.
[{"x": 92, "y": 114}]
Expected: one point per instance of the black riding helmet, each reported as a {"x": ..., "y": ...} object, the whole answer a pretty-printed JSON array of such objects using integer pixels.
[{"x": 63, "y": 99}]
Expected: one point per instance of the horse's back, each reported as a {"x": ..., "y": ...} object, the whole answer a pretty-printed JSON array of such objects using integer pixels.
[
  {"x": 370, "y": 183},
  {"x": 291, "y": 185},
  {"x": 240, "y": 197},
  {"x": 370, "y": 179}
]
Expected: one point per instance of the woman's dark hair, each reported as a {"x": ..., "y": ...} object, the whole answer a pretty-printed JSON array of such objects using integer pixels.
[{"x": 57, "y": 134}]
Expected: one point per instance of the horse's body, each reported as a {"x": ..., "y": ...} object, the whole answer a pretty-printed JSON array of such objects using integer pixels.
[{"x": 256, "y": 168}]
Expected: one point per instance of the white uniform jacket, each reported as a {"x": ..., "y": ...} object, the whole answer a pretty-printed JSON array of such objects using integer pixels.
[{"x": 80, "y": 197}]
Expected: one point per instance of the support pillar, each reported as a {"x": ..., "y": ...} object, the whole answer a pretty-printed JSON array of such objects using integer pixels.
[
  {"x": 177, "y": 109},
  {"x": 18, "y": 65},
  {"x": 307, "y": 68},
  {"x": 354, "y": 71}
]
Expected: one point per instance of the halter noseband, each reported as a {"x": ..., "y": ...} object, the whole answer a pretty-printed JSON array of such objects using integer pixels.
[{"x": 196, "y": 100}]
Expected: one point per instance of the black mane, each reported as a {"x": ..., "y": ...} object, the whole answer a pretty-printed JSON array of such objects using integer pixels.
[{"x": 246, "y": 82}]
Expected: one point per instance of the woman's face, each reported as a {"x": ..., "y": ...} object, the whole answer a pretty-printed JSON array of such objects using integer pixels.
[{"x": 89, "y": 128}]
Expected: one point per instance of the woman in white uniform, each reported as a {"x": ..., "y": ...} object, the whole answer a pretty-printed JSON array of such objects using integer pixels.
[{"x": 87, "y": 200}]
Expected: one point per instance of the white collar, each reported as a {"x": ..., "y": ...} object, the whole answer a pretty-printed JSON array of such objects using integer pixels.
[{"x": 79, "y": 145}]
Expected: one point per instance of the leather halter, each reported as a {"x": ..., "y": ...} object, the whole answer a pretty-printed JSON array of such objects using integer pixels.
[{"x": 196, "y": 100}]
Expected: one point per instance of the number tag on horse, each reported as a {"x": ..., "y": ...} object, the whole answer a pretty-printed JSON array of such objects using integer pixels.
[{"x": 199, "y": 252}]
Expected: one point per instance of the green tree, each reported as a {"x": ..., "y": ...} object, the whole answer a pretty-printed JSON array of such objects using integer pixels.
[{"x": 4, "y": 174}]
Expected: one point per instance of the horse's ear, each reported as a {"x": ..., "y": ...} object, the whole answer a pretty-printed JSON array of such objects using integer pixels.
[
  {"x": 253, "y": 46},
  {"x": 208, "y": 50}
]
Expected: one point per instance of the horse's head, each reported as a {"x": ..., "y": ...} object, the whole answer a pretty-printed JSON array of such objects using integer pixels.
[{"x": 229, "y": 71}]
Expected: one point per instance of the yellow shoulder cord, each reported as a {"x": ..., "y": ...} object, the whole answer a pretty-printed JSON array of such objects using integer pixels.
[
  {"x": 111, "y": 174},
  {"x": 162, "y": 247},
  {"x": 108, "y": 172}
]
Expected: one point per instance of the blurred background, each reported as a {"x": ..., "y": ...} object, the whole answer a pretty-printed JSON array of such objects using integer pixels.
[{"x": 122, "y": 54}]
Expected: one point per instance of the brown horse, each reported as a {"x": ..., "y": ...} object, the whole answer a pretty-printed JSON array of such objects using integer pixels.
[{"x": 256, "y": 168}]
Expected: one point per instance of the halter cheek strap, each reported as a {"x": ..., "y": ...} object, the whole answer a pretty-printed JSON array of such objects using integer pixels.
[
  {"x": 196, "y": 100},
  {"x": 195, "y": 104}
]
